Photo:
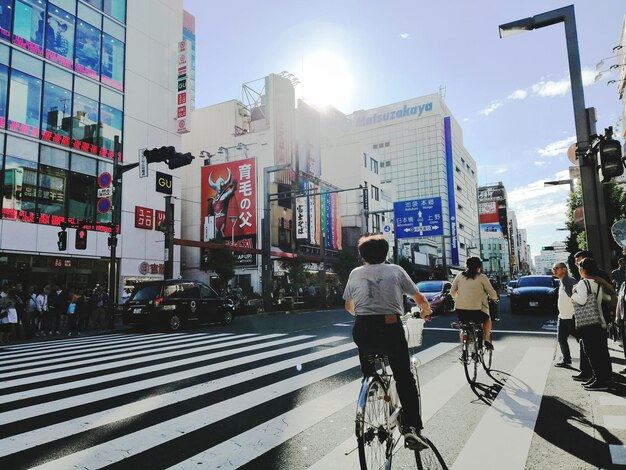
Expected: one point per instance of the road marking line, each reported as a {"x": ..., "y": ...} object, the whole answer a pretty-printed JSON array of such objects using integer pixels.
[
  {"x": 514, "y": 332},
  {"x": 435, "y": 394},
  {"x": 80, "y": 424},
  {"x": 143, "y": 370},
  {"x": 15, "y": 348},
  {"x": 511, "y": 417},
  {"x": 68, "y": 355},
  {"x": 618, "y": 454},
  {"x": 614, "y": 421},
  {"x": 106, "y": 393}
]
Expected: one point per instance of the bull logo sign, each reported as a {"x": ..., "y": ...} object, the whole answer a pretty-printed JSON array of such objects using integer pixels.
[{"x": 228, "y": 192}]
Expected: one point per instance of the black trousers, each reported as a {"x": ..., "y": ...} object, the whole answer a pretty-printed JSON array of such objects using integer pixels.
[
  {"x": 372, "y": 333},
  {"x": 594, "y": 344}
]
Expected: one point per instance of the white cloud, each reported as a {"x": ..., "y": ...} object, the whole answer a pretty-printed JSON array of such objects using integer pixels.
[
  {"x": 541, "y": 162},
  {"x": 501, "y": 170},
  {"x": 518, "y": 95},
  {"x": 538, "y": 205},
  {"x": 405, "y": 35},
  {"x": 490, "y": 108},
  {"x": 551, "y": 88},
  {"x": 556, "y": 148}
]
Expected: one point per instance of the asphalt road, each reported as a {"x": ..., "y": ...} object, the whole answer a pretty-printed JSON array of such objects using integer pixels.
[{"x": 279, "y": 390}]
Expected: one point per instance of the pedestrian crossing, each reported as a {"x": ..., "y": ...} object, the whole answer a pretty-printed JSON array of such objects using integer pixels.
[{"x": 213, "y": 400}]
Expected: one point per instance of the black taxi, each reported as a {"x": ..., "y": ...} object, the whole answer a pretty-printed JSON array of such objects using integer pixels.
[{"x": 174, "y": 303}]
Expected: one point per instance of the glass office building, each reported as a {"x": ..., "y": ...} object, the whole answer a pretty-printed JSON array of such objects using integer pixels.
[{"x": 65, "y": 83}]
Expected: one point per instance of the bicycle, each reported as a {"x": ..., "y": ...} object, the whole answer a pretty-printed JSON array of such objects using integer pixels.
[
  {"x": 378, "y": 417},
  {"x": 473, "y": 349}
]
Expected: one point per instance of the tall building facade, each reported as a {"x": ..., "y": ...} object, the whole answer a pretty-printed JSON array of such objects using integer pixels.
[
  {"x": 495, "y": 230},
  {"x": 75, "y": 77},
  {"x": 421, "y": 151}
]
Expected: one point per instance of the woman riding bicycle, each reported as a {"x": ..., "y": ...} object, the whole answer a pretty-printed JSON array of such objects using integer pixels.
[
  {"x": 374, "y": 295},
  {"x": 470, "y": 290}
]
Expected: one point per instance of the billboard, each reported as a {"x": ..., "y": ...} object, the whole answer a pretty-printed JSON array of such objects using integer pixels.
[
  {"x": 488, "y": 212},
  {"x": 318, "y": 217},
  {"x": 228, "y": 200}
]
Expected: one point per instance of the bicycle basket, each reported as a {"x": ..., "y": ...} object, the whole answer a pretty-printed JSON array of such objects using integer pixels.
[{"x": 413, "y": 329}]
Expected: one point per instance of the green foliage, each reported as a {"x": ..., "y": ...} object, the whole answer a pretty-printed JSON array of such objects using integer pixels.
[
  {"x": 348, "y": 260},
  {"x": 406, "y": 264},
  {"x": 297, "y": 274},
  {"x": 615, "y": 201}
]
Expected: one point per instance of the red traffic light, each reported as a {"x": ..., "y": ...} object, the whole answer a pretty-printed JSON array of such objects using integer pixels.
[
  {"x": 611, "y": 159},
  {"x": 81, "y": 239}
]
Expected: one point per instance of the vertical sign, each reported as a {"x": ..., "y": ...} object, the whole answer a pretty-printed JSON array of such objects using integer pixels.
[
  {"x": 302, "y": 219},
  {"x": 454, "y": 238},
  {"x": 182, "y": 103},
  {"x": 143, "y": 164}
]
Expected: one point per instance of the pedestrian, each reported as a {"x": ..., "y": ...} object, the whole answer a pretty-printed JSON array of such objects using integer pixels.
[
  {"x": 565, "y": 325},
  {"x": 471, "y": 291},
  {"x": 58, "y": 302},
  {"x": 21, "y": 329},
  {"x": 125, "y": 296},
  {"x": 44, "y": 307},
  {"x": 72, "y": 314},
  {"x": 593, "y": 338},
  {"x": 619, "y": 275},
  {"x": 32, "y": 307},
  {"x": 85, "y": 311},
  {"x": 374, "y": 295},
  {"x": 8, "y": 315}
]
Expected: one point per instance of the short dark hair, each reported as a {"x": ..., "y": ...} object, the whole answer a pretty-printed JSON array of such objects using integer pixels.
[
  {"x": 373, "y": 249},
  {"x": 590, "y": 266},
  {"x": 583, "y": 254}
]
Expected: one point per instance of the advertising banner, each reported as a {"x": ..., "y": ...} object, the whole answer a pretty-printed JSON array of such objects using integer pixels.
[
  {"x": 488, "y": 212},
  {"x": 182, "y": 103},
  {"x": 228, "y": 205},
  {"x": 302, "y": 219}
]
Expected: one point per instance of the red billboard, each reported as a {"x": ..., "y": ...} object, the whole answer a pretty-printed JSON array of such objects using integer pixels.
[
  {"x": 228, "y": 199},
  {"x": 488, "y": 212}
]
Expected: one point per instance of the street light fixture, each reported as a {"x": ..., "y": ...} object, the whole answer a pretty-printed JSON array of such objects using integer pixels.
[
  {"x": 558, "y": 182},
  {"x": 593, "y": 196}
]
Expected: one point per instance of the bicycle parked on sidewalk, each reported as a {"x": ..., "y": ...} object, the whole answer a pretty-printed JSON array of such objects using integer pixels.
[
  {"x": 473, "y": 350},
  {"x": 378, "y": 418}
]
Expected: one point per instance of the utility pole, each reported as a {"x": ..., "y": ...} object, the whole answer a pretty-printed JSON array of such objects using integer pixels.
[
  {"x": 169, "y": 238},
  {"x": 117, "y": 199}
]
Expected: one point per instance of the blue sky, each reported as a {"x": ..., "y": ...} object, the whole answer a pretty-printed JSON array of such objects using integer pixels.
[{"x": 511, "y": 96}]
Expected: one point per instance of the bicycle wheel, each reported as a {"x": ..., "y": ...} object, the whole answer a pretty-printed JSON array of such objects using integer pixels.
[
  {"x": 487, "y": 357},
  {"x": 373, "y": 433},
  {"x": 470, "y": 364},
  {"x": 429, "y": 458}
]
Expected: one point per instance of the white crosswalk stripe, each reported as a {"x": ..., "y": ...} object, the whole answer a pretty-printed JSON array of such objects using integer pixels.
[{"x": 125, "y": 397}]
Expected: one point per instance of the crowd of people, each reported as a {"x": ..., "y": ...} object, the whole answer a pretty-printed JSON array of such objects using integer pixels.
[{"x": 51, "y": 311}]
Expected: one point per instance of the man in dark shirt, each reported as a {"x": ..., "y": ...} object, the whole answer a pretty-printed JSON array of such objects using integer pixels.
[{"x": 619, "y": 275}]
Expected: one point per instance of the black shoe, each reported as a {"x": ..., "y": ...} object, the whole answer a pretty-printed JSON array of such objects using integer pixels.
[
  {"x": 563, "y": 364},
  {"x": 589, "y": 382},
  {"x": 580, "y": 377},
  {"x": 597, "y": 386},
  {"x": 414, "y": 440},
  {"x": 488, "y": 345}
]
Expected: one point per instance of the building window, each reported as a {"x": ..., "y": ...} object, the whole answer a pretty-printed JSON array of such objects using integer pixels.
[
  {"x": 28, "y": 25},
  {"x": 85, "y": 119},
  {"x": 459, "y": 206},
  {"x": 461, "y": 226},
  {"x": 57, "y": 109},
  {"x": 5, "y": 19},
  {"x": 60, "y": 37},
  {"x": 111, "y": 125},
  {"x": 458, "y": 188},
  {"x": 376, "y": 223},
  {"x": 51, "y": 190},
  {"x": 374, "y": 165},
  {"x": 386, "y": 144},
  {"x": 95, "y": 3},
  {"x": 88, "y": 54},
  {"x": 20, "y": 183},
  {"x": 112, "y": 62},
  {"x": 365, "y": 160},
  {"x": 24, "y": 103},
  {"x": 4, "y": 80},
  {"x": 375, "y": 146},
  {"x": 81, "y": 196},
  {"x": 375, "y": 193},
  {"x": 116, "y": 9},
  {"x": 458, "y": 170}
]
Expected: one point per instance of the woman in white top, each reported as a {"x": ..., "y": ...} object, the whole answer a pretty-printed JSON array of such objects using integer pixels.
[{"x": 593, "y": 338}]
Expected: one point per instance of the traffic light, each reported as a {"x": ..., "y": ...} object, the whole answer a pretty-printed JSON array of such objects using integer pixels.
[
  {"x": 179, "y": 160},
  {"x": 159, "y": 155},
  {"x": 81, "y": 239},
  {"x": 611, "y": 162},
  {"x": 62, "y": 242}
]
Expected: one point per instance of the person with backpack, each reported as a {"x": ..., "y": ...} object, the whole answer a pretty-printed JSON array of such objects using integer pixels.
[{"x": 590, "y": 293}]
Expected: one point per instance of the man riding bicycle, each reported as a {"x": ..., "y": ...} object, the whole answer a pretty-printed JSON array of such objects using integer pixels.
[{"x": 374, "y": 295}]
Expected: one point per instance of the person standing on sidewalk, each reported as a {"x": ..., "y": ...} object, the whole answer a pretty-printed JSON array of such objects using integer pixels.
[
  {"x": 565, "y": 325},
  {"x": 619, "y": 275},
  {"x": 42, "y": 302}
]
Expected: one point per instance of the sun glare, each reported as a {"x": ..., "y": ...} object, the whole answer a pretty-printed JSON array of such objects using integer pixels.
[{"x": 326, "y": 80}]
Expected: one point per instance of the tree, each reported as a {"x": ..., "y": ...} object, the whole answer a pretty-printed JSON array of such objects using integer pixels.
[
  {"x": 348, "y": 260},
  {"x": 615, "y": 209},
  {"x": 222, "y": 262},
  {"x": 297, "y": 273}
]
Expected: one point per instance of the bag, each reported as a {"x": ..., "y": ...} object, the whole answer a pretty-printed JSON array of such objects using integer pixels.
[
  {"x": 494, "y": 310},
  {"x": 413, "y": 329},
  {"x": 588, "y": 314},
  {"x": 71, "y": 308}
]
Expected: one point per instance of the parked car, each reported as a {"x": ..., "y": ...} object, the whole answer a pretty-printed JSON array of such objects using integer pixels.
[
  {"x": 535, "y": 293},
  {"x": 438, "y": 295},
  {"x": 174, "y": 303},
  {"x": 510, "y": 286}
]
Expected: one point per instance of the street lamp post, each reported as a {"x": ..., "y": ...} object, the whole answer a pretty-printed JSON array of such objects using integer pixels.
[{"x": 593, "y": 196}]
